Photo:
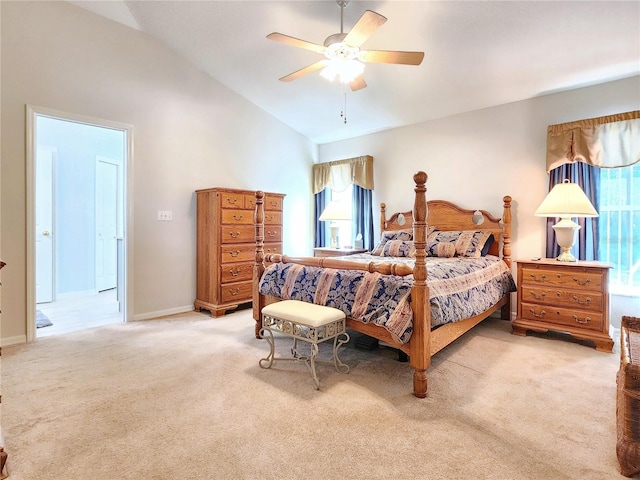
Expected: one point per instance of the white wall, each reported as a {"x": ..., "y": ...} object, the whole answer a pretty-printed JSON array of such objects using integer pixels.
[
  {"x": 476, "y": 158},
  {"x": 190, "y": 132}
]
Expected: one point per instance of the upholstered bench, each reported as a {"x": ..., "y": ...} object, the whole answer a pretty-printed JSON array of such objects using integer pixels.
[
  {"x": 305, "y": 322},
  {"x": 628, "y": 398}
]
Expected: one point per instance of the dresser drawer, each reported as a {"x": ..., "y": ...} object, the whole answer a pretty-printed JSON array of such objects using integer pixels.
[
  {"x": 238, "y": 233},
  {"x": 237, "y": 253},
  {"x": 580, "y": 319},
  {"x": 237, "y": 217},
  {"x": 576, "y": 278},
  {"x": 236, "y": 292},
  {"x": 231, "y": 200},
  {"x": 269, "y": 202},
  {"x": 271, "y": 248},
  {"x": 563, "y": 298},
  {"x": 273, "y": 233},
  {"x": 272, "y": 218},
  {"x": 236, "y": 272}
]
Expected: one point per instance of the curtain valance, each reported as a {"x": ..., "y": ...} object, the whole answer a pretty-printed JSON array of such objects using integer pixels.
[
  {"x": 340, "y": 174},
  {"x": 606, "y": 142}
]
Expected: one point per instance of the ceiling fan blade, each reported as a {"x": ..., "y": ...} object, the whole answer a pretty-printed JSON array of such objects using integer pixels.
[
  {"x": 384, "y": 56},
  {"x": 296, "y": 42},
  {"x": 366, "y": 26},
  {"x": 304, "y": 71},
  {"x": 358, "y": 83}
]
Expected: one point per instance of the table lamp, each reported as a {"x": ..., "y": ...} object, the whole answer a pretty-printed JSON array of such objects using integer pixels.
[
  {"x": 332, "y": 213},
  {"x": 565, "y": 201}
]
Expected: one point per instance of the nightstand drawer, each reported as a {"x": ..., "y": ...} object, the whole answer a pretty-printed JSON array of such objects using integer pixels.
[
  {"x": 576, "y": 278},
  {"x": 579, "y": 319},
  {"x": 563, "y": 298}
]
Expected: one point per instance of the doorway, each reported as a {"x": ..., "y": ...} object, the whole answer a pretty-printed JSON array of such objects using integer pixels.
[{"x": 77, "y": 186}]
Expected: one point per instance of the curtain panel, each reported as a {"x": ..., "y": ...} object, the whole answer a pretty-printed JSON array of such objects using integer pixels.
[
  {"x": 340, "y": 174},
  {"x": 605, "y": 142}
]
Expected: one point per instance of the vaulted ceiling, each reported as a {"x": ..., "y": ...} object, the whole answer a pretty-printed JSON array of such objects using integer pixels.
[{"x": 478, "y": 54}]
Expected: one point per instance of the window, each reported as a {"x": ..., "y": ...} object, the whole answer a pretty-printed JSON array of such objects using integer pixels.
[{"x": 619, "y": 226}]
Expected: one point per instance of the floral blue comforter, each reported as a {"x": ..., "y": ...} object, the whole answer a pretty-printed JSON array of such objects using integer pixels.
[{"x": 459, "y": 288}]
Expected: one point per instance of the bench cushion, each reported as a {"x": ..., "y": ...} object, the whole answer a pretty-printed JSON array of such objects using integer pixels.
[{"x": 303, "y": 313}]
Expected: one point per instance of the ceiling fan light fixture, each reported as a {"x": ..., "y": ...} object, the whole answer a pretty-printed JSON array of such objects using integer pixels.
[{"x": 344, "y": 70}]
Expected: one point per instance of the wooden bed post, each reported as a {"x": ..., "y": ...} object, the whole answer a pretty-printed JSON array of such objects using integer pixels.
[
  {"x": 505, "y": 310},
  {"x": 506, "y": 221},
  {"x": 383, "y": 219},
  {"x": 258, "y": 268},
  {"x": 420, "y": 356}
]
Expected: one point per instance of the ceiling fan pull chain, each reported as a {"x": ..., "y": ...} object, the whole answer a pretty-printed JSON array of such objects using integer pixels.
[{"x": 343, "y": 111}]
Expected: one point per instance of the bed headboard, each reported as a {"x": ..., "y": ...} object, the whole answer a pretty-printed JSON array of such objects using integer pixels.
[{"x": 445, "y": 215}]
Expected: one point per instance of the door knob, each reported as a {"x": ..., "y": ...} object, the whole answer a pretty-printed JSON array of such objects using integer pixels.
[{"x": 46, "y": 233}]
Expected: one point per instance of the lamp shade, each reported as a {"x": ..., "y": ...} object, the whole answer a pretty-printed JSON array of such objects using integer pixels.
[
  {"x": 566, "y": 200},
  {"x": 335, "y": 211}
]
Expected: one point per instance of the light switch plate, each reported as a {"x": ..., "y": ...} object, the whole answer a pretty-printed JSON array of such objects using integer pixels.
[{"x": 165, "y": 215}]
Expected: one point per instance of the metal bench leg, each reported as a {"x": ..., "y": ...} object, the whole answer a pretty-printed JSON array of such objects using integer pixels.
[
  {"x": 336, "y": 345},
  {"x": 268, "y": 360}
]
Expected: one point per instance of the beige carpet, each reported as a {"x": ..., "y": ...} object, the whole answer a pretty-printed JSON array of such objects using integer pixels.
[{"x": 184, "y": 398}]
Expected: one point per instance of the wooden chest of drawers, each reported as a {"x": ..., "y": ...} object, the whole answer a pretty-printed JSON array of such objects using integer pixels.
[
  {"x": 571, "y": 297},
  {"x": 226, "y": 245}
]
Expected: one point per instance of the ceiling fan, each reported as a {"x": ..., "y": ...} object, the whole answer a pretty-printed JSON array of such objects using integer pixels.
[{"x": 344, "y": 58}]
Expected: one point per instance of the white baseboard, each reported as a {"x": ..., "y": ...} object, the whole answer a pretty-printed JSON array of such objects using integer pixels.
[
  {"x": 162, "y": 313},
  {"x": 5, "y": 342}
]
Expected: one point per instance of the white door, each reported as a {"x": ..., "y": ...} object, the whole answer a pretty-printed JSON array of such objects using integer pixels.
[
  {"x": 44, "y": 224},
  {"x": 107, "y": 202}
]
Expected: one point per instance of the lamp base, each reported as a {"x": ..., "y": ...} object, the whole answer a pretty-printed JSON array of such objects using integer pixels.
[
  {"x": 565, "y": 236},
  {"x": 566, "y": 256}
]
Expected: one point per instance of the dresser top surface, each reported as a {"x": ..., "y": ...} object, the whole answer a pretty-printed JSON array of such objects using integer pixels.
[{"x": 555, "y": 263}]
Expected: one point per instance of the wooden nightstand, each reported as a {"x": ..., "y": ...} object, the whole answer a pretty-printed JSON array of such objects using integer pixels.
[
  {"x": 336, "y": 252},
  {"x": 571, "y": 297}
]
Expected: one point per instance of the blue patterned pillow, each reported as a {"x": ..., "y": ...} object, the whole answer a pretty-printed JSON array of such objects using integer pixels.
[
  {"x": 405, "y": 235},
  {"x": 467, "y": 243},
  {"x": 398, "y": 248}
]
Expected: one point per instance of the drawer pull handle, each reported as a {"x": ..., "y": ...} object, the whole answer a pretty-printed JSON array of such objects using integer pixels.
[
  {"x": 538, "y": 315},
  {"x": 586, "y": 319},
  {"x": 234, "y": 234},
  {"x": 270, "y": 233},
  {"x": 234, "y": 273},
  {"x": 234, "y": 292},
  {"x": 538, "y": 297},
  {"x": 582, "y": 302},
  {"x": 582, "y": 284},
  {"x": 274, "y": 204},
  {"x": 252, "y": 201},
  {"x": 234, "y": 254},
  {"x": 237, "y": 218},
  {"x": 541, "y": 279},
  {"x": 231, "y": 201}
]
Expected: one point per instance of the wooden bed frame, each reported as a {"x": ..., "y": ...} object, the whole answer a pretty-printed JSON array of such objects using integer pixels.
[{"x": 424, "y": 341}]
